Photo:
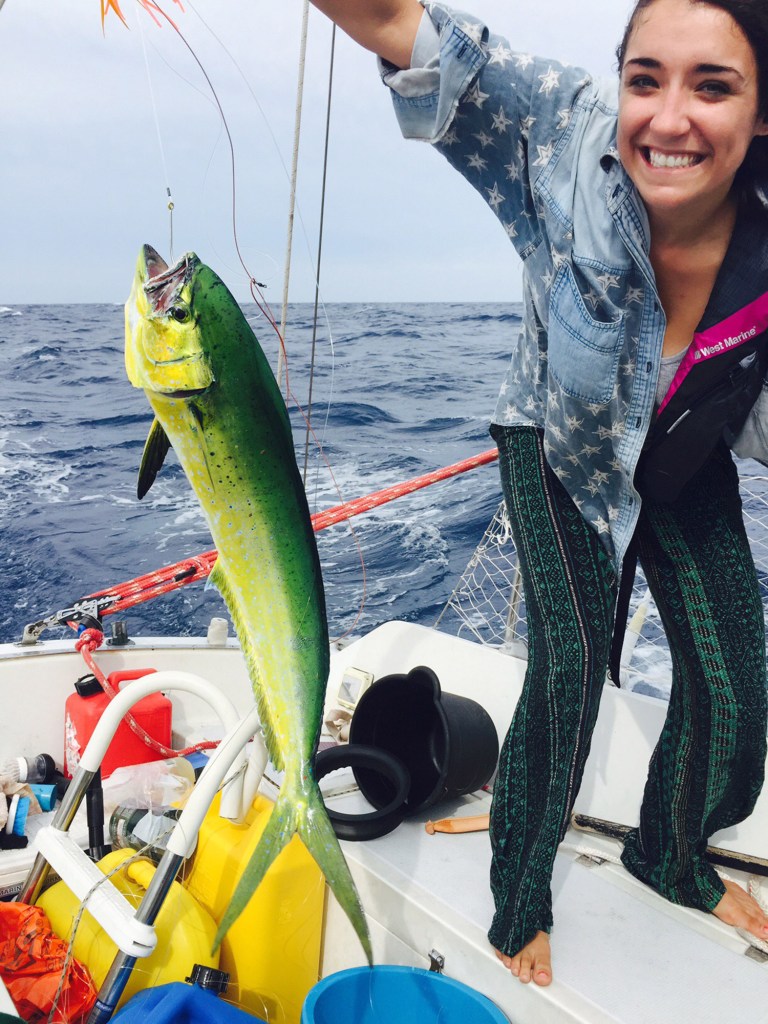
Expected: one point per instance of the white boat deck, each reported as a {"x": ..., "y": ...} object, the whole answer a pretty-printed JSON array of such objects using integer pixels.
[{"x": 621, "y": 953}]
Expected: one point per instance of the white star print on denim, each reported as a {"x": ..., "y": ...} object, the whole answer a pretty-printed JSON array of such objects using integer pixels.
[{"x": 537, "y": 140}]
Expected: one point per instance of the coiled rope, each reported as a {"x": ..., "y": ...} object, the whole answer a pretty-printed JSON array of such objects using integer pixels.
[{"x": 87, "y": 643}]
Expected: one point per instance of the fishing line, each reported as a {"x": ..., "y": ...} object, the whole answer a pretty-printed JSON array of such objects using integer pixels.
[
  {"x": 205, "y": 96},
  {"x": 255, "y": 287},
  {"x": 295, "y": 210},
  {"x": 150, "y": 6},
  {"x": 156, "y": 116},
  {"x": 259, "y": 107}
]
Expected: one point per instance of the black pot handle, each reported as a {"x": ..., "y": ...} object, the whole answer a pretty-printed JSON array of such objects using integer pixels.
[{"x": 372, "y": 824}]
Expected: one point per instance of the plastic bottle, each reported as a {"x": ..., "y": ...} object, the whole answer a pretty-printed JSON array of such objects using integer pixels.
[
  {"x": 136, "y": 827},
  {"x": 153, "y": 786},
  {"x": 28, "y": 769}
]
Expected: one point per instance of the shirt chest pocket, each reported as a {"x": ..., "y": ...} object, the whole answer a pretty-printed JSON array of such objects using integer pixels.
[{"x": 583, "y": 352}]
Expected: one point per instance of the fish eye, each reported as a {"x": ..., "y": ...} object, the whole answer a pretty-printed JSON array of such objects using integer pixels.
[{"x": 179, "y": 313}]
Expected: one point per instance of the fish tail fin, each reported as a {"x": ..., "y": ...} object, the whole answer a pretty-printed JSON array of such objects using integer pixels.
[
  {"x": 319, "y": 838},
  {"x": 308, "y": 817}
]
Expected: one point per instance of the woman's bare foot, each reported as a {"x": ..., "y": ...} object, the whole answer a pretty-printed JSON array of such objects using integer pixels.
[
  {"x": 739, "y": 909},
  {"x": 533, "y": 962}
]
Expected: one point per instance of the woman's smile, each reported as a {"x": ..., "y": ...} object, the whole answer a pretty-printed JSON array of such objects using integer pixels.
[{"x": 657, "y": 158}]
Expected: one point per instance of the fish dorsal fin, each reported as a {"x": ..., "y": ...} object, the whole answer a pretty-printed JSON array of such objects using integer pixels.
[{"x": 155, "y": 450}]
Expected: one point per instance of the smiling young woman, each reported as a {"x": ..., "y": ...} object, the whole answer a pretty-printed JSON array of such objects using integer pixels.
[
  {"x": 642, "y": 222},
  {"x": 690, "y": 107}
]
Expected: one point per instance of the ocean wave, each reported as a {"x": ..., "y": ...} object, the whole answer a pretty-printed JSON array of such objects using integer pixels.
[
  {"x": 25, "y": 473},
  {"x": 357, "y": 414},
  {"x": 441, "y": 424},
  {"x": 492, "y": 318},
  {"x": 46, "y": 352},
  {"x": 7, "y": 311}
]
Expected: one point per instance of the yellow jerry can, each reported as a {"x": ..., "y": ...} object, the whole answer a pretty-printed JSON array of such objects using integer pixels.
[
  {"x": 272, "y": 951},
  {"x": 185, "y": 930}
]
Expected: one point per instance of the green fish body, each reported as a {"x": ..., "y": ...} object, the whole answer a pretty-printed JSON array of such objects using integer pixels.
[{"x": 216, "y": 402}]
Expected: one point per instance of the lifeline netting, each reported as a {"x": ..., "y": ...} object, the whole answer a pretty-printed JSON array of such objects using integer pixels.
[{"x": 487, "y": 604}]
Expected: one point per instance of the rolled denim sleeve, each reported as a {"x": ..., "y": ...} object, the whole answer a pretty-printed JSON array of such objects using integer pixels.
[
  {"x": 501, "y": 118},
  {"x": 426, "y": 98}
]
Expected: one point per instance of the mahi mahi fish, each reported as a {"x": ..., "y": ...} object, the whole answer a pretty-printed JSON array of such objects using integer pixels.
[{"x": 216, "y": 401}]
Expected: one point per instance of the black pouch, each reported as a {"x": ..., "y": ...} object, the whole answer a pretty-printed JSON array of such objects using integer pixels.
[{"x": 687, "y": 432}]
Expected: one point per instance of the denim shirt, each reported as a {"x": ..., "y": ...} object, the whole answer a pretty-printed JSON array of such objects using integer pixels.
[{"x": 537, "y": 139}]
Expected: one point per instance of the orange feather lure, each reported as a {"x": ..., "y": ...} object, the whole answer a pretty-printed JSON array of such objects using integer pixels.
[{"x": 148, "y": 5}]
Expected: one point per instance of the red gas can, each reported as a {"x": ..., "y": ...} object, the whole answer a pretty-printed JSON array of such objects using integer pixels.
[{"x": 84, "y": 708}]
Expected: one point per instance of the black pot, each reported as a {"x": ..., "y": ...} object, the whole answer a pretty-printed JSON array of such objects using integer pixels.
[{"x": 447, "y": 743}]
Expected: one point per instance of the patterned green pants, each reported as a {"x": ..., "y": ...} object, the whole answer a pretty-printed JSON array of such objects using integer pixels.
[{"x": 707, "y": 770}]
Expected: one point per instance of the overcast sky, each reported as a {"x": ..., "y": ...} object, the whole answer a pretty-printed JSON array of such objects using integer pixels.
[{"x": 84, "y": 170}]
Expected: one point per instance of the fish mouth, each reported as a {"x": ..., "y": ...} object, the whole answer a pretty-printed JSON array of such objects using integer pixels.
[
  {"x": 163, "y": 284},
  {"x": 181, "y": 395}
]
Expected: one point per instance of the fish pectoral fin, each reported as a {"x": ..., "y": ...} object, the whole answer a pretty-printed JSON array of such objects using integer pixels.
[{"x": 153, "y": 457}]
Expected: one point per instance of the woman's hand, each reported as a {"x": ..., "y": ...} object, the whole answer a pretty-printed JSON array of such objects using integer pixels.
[{"x": 387, "y": 27}]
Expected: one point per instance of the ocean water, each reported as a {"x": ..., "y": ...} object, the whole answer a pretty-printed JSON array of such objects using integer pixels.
[{"x": 398, "y": 391}]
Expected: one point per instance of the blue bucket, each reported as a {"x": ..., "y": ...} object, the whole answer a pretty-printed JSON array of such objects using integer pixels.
[{"x": 396, "y": 995}]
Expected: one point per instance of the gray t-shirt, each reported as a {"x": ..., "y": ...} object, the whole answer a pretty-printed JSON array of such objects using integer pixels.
[{"x": 669, "y": 367}]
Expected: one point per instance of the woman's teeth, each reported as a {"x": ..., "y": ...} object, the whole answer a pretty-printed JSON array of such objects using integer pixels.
[{"x": 656, "y": 159}]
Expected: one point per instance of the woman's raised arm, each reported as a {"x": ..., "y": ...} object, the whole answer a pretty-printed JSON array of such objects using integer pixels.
[{"x": 387, "y": 27}]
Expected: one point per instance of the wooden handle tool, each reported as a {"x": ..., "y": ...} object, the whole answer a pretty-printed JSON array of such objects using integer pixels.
[{"x": 476, "y": 823}]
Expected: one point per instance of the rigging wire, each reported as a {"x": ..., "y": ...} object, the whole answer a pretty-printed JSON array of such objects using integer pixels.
[
  {"x": 281, "y": 363},
  {"x": 319, "y": 250}
]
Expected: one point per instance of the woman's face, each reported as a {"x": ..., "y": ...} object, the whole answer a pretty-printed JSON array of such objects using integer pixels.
[{"x": 688, "y": 106}]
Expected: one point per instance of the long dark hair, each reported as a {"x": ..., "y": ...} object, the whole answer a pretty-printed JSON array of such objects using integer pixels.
[{"x": 752, "y": 18}]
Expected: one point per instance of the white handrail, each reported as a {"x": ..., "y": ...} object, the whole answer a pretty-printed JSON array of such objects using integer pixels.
[{"x": 170, "y": 679}]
